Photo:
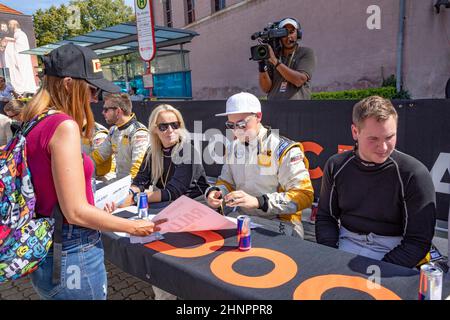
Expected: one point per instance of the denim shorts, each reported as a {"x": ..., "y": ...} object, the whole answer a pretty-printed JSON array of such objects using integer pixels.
[{"x": 83, "y": 273}]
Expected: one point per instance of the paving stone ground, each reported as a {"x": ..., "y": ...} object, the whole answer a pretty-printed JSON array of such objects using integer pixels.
[{"x": 121, "y": 286}]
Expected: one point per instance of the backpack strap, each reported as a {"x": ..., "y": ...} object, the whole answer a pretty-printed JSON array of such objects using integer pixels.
[
  {"x": 28, "y": 126},
  {"x": 57, "y": 243}
]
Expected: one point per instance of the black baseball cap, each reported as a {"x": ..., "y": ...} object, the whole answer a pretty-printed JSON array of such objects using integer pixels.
[{"x": 78, "y": 62}]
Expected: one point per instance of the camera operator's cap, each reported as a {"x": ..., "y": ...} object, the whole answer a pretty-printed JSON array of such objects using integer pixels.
[
  {"x": 78, "y": 62},
  {"x": 287, "y": 21},
  {"x": 242, "y": 102}
]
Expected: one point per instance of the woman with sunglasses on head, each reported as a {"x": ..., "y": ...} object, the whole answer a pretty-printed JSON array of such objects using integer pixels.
[
  {"x": 62, "y": 177},
  {"x": 169, "y": 164}
]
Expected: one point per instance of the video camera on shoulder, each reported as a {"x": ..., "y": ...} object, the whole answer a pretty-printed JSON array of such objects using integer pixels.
[{"x": 271, "y": 35}]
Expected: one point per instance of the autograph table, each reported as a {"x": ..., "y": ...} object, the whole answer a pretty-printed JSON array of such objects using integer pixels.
[{"x": 207, "y": 265}]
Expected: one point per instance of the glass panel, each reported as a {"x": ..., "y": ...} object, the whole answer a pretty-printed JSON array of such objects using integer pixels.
[
  {"x": 173, "y": 85},
  {"x": 122, "y": 28},
  {"x": 107, "y": 35},
  {"x": 170, "y": 63},
  {"x": 89, "y": 39}
]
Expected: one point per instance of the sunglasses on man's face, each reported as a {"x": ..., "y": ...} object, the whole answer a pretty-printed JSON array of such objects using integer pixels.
[
  {"x": 241, "y": 124},
  {"x": 105, "y": 109},
  {"x": 164, "y": 126}
]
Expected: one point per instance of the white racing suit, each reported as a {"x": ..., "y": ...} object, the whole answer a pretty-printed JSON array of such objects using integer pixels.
[
  {"x": 273, "y": 166},
  {"x": 100, "y": 134},
  {"x": 127, "y": 144}
]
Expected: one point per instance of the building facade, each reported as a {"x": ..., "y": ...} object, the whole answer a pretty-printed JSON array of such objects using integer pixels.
[{"x": 356, "y": 42}]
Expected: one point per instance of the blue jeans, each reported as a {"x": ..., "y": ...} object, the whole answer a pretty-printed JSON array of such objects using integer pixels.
[{"x": 83, "y": 273}]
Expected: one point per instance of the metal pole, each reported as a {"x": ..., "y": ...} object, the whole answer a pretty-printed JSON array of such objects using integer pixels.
[
  {"x": 400, "y": 38},
  {"x": 126, "y": 74},
  {"x": 183, "y": 60}
]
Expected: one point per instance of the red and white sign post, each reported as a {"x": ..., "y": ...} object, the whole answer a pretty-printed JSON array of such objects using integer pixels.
[{"x": 146, "y": 37}]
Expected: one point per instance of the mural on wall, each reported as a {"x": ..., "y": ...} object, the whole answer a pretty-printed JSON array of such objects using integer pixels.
[{"x": 16, "y": 36}]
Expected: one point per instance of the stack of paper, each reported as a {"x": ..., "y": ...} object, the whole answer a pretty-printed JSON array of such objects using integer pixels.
[{"x": 186, "y": 214}]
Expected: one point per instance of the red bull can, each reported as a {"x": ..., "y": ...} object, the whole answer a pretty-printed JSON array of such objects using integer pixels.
[
  {"x": 430, "y": 286},
  {"x": 244, "y": 233},
  {"x": 142, "y": 206}
]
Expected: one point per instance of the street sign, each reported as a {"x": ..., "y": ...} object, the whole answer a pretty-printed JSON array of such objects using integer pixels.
[
  {"x": 145, "y": 29},
  {"x": 148, "y": 80}
]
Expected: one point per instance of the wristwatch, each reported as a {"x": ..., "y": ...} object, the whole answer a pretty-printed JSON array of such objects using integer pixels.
[{"x": 278, "y": 63}]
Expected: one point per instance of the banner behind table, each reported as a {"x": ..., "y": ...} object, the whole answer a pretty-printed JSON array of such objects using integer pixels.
[{"x": 324, "y": 128}]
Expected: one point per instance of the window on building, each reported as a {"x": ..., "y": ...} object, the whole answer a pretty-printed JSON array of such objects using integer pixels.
[
  {"x": 190, "y": 11},
  {"x": 218, "y": 5},
  {"x": 168, "y": 13}
]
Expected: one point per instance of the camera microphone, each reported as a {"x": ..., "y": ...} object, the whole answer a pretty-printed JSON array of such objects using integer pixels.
[{"x": 255, "y": 35}]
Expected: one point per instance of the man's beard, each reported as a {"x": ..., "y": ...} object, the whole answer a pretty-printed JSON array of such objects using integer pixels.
[{"x": 112, "y": 121}]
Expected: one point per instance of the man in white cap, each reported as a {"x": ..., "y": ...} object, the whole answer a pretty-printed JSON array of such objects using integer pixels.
[
  {"x": 286, "y": 75},
  {"x": 264, "y": 174}
]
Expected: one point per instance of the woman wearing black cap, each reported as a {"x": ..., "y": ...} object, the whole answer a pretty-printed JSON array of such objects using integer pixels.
[{"x": 73, "y": 76}]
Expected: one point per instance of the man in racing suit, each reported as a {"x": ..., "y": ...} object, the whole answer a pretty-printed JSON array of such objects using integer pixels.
[
  {"x": 89, "y": 145},
  {"x": 264, "y": 174},
  {"x": 127, "y": 140}
]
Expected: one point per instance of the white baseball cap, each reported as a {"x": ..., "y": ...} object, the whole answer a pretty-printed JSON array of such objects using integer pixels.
[
  {"x": 287, "y": 21},
  {"x": 242, "y": 102}
]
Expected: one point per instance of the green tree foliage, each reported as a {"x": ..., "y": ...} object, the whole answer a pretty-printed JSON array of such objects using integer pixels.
[{"x": 51, "y": 25}]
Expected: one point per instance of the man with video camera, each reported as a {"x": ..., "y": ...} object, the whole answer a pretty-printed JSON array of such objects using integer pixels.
[{"x": 287, "y": 72}]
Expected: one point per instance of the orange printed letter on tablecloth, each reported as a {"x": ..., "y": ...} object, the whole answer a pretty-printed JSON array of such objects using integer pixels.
[
  {"x": 285, "y": 268},
  {"x": 213, "y": 242},
  {"x": 314, "y": 288}
]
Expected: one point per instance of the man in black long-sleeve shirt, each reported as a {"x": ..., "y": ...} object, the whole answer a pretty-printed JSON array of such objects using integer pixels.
[{"x": 376, "y": 201}]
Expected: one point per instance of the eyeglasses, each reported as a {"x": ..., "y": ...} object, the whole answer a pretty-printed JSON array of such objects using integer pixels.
[
  {"x": 164, "y": 126},
  {"x": 105, "y": 109},
  {"x": 241, "y": 124}
]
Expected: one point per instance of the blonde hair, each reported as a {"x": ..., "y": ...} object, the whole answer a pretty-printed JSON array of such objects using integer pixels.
[
  {"x": 74, "y": 102},
  {"x": 374, "y": 106},
  {"x": 156, "y": 154}
]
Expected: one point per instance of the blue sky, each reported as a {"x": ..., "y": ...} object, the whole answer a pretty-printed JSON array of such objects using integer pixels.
[{"x": 30, "y": 6}]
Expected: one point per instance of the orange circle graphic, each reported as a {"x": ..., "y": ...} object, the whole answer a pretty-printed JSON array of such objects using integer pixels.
[
  {"x": 314, "y": 288},
  {"x": 285, "y": 268},
  {"x": 213, "y": 242}
]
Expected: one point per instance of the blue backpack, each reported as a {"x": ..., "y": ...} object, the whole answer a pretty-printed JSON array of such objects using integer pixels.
[{"x": 24, "y": 239}]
